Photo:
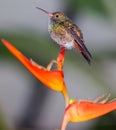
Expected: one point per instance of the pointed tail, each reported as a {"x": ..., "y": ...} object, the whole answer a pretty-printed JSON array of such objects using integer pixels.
[
  {"x": 86, "y": 56},
  {"x": 84, "y": 51}
]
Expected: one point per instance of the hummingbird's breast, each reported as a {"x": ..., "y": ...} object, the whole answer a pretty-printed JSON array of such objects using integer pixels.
[{"x": 61, "y": 35}]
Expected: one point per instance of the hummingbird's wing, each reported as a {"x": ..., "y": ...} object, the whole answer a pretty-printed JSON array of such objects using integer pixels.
[{"x": 79, "y": 42}]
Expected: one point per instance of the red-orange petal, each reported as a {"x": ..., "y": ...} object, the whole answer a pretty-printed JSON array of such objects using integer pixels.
[
  {"x": 52, "y": 79},
  {"x": 84, "y": 110},
  {"x": 60, "y": 58}
]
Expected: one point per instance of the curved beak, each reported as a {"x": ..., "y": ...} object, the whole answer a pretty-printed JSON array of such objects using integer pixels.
[{"x": 48, "y": 13}]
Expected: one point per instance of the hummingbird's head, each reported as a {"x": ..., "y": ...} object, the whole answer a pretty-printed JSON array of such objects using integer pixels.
[{"x": 56, "y": 17}]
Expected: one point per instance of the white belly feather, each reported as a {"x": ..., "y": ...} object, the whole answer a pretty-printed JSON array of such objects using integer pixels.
[{"x": 59, "y": 39}]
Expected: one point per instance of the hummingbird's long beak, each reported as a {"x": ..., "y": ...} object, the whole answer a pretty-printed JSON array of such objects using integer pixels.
[{"x": 48, "y": 13}]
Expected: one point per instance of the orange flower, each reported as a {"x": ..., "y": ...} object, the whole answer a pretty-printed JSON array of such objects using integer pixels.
[
  {"x": 80, "y": 111},
  {"x": 53, "y": 79}
]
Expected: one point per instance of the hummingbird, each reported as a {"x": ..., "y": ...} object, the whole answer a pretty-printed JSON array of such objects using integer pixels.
[{"x": 66, "y": 34}]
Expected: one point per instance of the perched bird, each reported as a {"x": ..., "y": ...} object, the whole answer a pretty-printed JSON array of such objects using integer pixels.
[{"x": 65, "y": 33}]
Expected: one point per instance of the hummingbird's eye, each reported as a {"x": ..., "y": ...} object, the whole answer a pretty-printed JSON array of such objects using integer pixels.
[{"x": 57, "y": 16}]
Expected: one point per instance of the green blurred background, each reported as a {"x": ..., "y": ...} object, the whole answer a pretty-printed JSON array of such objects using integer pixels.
[{"x": 25, "y": 104}]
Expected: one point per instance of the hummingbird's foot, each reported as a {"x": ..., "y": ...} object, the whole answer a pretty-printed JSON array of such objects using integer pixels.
[
  {"x": 101, "y": 100},
  {"x": 51, "y": 64},
  {"x": 39, "y": 66}
]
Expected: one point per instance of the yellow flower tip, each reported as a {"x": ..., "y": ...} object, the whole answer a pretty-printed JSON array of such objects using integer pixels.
[{"x": 70, "y": 101}]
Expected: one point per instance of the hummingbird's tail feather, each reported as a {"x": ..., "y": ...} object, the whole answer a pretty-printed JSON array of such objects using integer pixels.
[
  {"x": 84, "y": 51},
  {"x": 87, "y": 58}
]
